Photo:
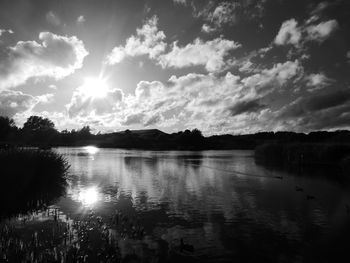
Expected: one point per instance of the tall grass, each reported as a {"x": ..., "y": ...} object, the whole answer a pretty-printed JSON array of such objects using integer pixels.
[{"x": 30, "y": 179}]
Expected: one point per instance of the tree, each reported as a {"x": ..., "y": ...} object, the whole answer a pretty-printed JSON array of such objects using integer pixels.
[
  {"x": 6, "y": 126},
  {"x": 37, "y": 123},
  {"x": 39, "y": 130},
  {"x": 84, "y": 133}
]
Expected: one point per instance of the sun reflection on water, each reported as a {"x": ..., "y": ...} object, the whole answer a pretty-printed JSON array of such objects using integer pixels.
[
  {"x": 91, "y": 149},
  {"x": 89, "y": 196}
]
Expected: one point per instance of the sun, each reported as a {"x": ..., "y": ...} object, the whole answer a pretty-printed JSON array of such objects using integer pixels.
[{"x": 94, "y": 87}]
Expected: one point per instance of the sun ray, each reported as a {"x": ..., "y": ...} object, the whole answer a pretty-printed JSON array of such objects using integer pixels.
[{"x": 94, "y": 87}]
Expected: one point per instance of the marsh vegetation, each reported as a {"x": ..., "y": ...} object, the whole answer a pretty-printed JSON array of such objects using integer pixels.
[{"x": 30, "y": 179}]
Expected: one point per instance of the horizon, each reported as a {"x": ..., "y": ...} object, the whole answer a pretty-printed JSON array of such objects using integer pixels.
[
  {"x": 223, "y": 67},
  {"x": 179, "y": 131}
]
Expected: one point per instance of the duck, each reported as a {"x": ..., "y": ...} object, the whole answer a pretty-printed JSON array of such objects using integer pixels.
[
  {"x": 299, "y": 189},
  {"x": 310, "y": 197},
  {"x": 186, "y": 247}
]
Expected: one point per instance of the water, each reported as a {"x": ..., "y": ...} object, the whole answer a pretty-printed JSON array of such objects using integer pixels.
[{"x": 220, "y": 202}]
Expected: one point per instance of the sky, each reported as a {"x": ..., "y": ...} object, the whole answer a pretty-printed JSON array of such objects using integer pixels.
[{"x": 225, "y": 66}]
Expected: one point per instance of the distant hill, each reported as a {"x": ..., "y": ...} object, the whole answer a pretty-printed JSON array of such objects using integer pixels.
[{"x": 145, "y": 132}]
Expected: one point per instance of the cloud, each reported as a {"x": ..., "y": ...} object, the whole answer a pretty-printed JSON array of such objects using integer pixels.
[
  {"x": 12, "y": 102},
  {"x": 81, "y": 20},
  {"x": 321, "y": 31},
  {"x": 224, "y": 14},
  {"x": 2, "y": 31},
  {"x": 210, "y": 54},
  {"x": 292, "y": 34},
  {"x": 207, "y": 28},
  {"x": 214, "y": 103},
  {"x": 46, "y": 98},
  {"x": 219, "y": 14},
  {"x": 289, "y": 33},
  {"x": 56, "y": 56},
  {"x": 52, "y": 18},
  {"x": 329, "y": 110},
  {"x": 267, "y": 80},
  {"x": 246, "y": 106},
  {"x": 134, "y": 119},
  {"x": 148, "y": 41},
  {"x": 317, "y": 81},
  {"x": 153, "y": 120},
  {"x": 327, "y": 100},
  {"x": 183, "y": 2},
  {"x": 82, "y": 104}
]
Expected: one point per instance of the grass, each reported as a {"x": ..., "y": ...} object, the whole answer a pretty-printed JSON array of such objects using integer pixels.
[{"x": 30, "y": 179}]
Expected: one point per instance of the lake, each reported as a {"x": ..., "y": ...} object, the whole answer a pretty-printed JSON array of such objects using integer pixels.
[{"x": 220, "y": 202}]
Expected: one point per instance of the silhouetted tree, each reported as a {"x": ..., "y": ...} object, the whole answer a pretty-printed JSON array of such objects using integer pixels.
[
  {"x": 37, "y": 123},
  {"x": 39, "y": 130},
  {"x": 84, "y": 133},
  {"x": 7, "y": 125}
]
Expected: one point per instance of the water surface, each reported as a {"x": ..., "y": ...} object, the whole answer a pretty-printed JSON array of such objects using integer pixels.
[{"x": 220, "y": 202}]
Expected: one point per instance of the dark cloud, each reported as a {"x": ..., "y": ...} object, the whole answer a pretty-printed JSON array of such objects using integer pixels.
[
  {"x": 323, "y": 111},
  {"x": 329, "y": 100},
  {"x": 155, "y": 119},
  {"x": 246, "y": 106},
  {"x": 134, "y": 119}
]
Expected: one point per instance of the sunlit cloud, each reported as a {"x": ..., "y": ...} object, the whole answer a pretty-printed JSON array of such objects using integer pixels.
[
  {"x": 56, "y": 56},
  {"x": 210, "y": 54},
  {"x": 148, "y": 41}
]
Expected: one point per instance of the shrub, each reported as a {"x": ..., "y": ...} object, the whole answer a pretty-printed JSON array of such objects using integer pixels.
[{"x": 30, "y": 179}]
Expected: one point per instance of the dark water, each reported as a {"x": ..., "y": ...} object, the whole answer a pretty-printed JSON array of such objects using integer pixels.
[{"x": 220, "y": 202}]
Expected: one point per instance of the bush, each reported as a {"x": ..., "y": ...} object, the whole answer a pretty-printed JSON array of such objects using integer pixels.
[{"x": 30, "y": 179}]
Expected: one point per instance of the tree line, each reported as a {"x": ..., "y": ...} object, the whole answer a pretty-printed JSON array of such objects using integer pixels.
[{"x": 41, "y": 132}]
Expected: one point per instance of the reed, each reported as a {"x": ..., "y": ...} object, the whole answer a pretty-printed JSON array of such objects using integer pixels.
[{"x": 30, "y": 179}]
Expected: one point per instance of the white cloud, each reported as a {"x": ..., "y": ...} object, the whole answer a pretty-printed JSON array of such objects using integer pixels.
[
  {"x": 12, "y": 102},
  {"x": 210, "y": 54},
  {"x": 148, "y": 41},
  {"x": 268, "y": 80},
  {"x": 207, "y": 28},
  {"x": 81, "y": 20},
  {"x": 321, "y": 31},
  {"x": 289, "y": 33},
  {"x": 2, "y": 31},
  {"x": 317, "y": 81},
  {"x": 52, "y": 18},
  {"x": 180, "y": 2},
  {"x": 46, "y": 98},
  {"x": 224, "y": 14},
  {"x": 82, "y": 104},
  {"x": 56, "y": 56}
]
